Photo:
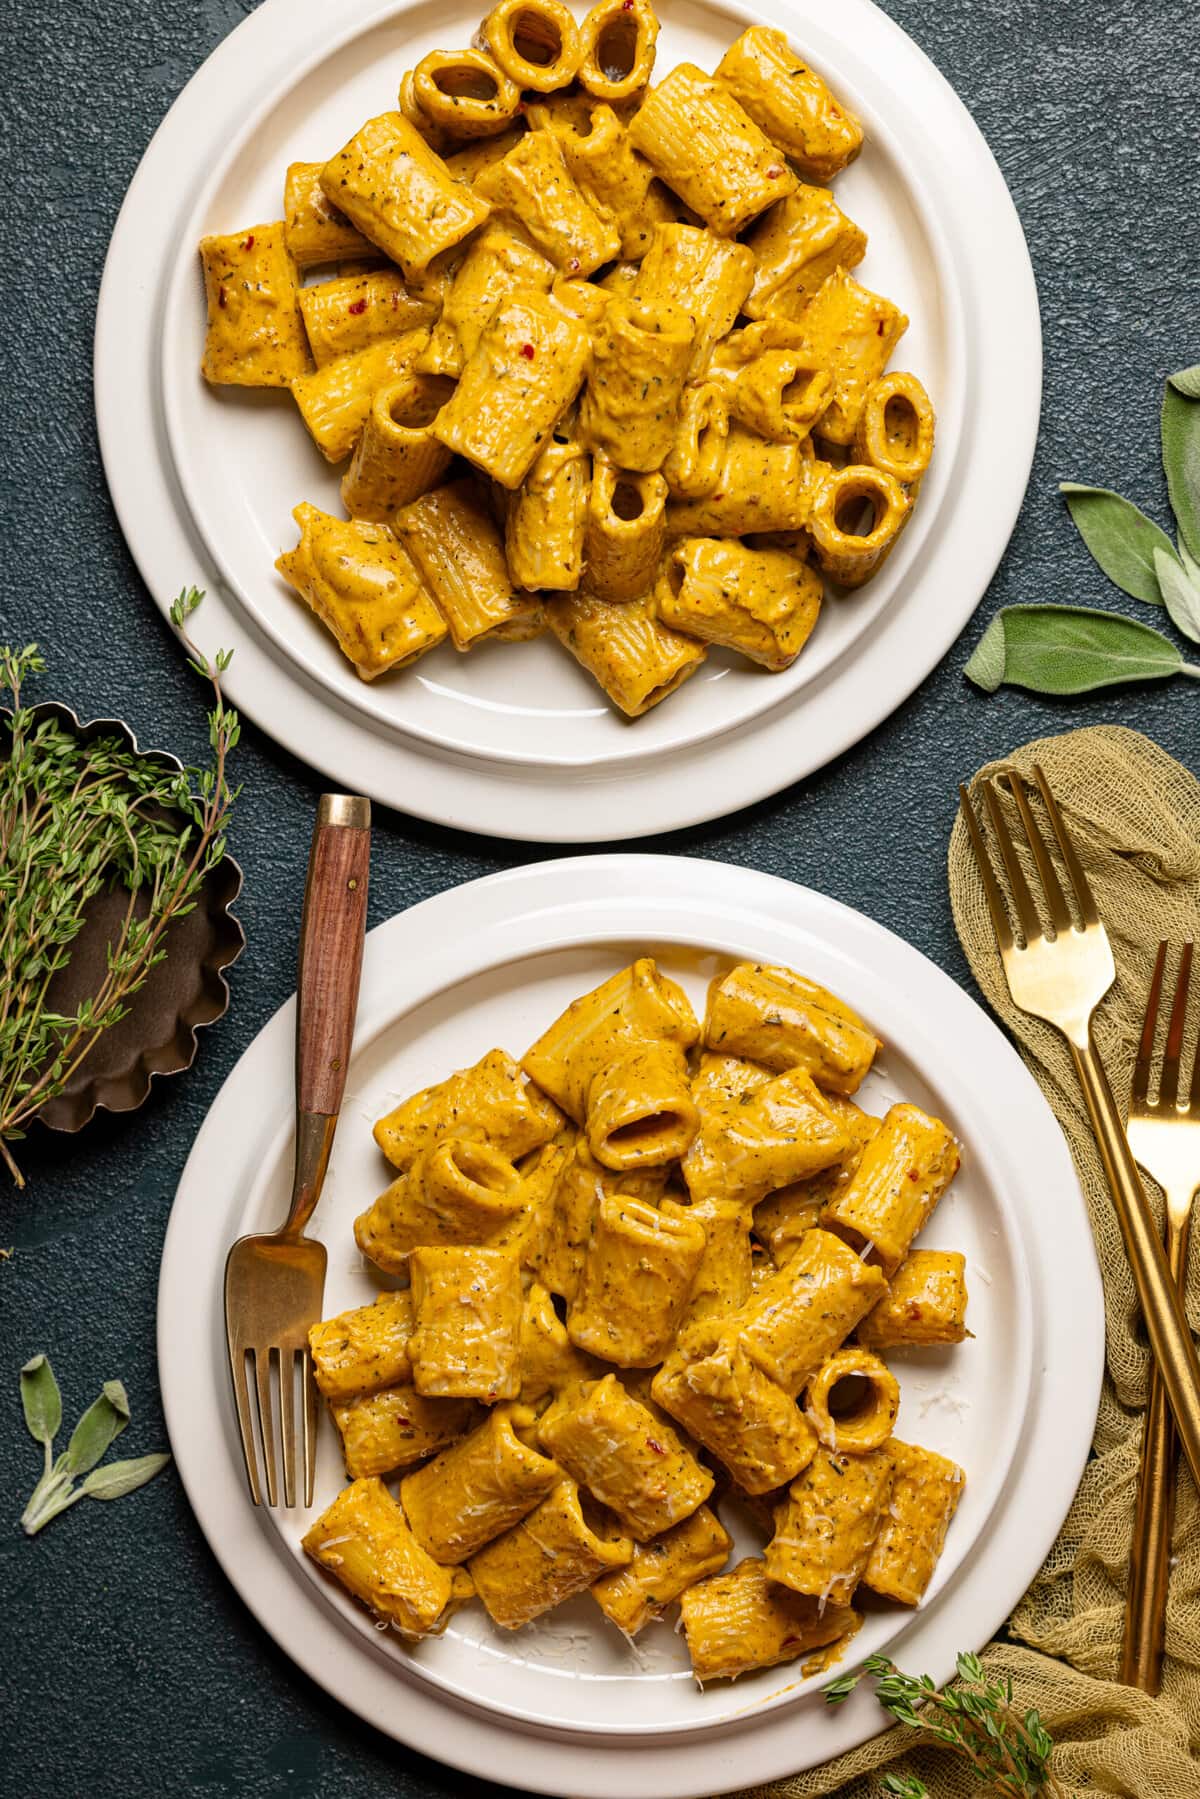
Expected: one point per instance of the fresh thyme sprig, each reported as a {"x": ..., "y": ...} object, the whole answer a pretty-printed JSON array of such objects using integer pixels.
[
  {"x": 1009, "y": 1749},
  {"x": 77, "y": 819}
]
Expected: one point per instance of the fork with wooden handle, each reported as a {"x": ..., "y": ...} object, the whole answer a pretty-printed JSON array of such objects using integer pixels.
[
  {"x": 1061, "y": 975},
  {"x": 1164, "y": 1135},
  {"x": 275, "y": 1282}
]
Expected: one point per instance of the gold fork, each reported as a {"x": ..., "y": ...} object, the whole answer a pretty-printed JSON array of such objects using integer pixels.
[
  {"x": 1061, "y": 976},
  {"x": 275, "y": 1282},
  {"x": 1164, "y": 1135}
]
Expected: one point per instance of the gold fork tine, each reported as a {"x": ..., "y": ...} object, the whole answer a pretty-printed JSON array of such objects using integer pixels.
[
  {"x": 991, "y": 888},
  {"x": 310, "y": 1428},
  {"x": 287, "y": 1422},
  {"x": 1168, "y": 1092},
  {"x": 1051, "y": 885},
  {"x": 241, "y": 1394},
  {"x": 1027, "y": 917},
  {"x": 1079, "y": 881},
  {"x": 1140, "y": 1085},
  {"x": 262, "y": 1378}
]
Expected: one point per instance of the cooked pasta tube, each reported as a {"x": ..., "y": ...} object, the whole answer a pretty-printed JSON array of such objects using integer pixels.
[
  {"x": 895, "y": 429},
  {"x": 612, "y": 177},
  {"x": 926, "y": 1489},
  {"x": 544, "y": 531},
  {"x": 480, "y": 1487},
  {"x": 630, "y": 406},
  {"x": 352, "y": 311},
  {"x": 458, "y": 1191},
  {"x": 737, "y": 1412},
  {"x": 790, "y": 102},
  {"x": 335, "y": 401},
  {"x": 550, "y": 1362},
  {"x": 540, "y": 1174},
  {"x": 582, "y": 299},
  {"x": 316, "y": 231},
  {"x": 905, "y": 1169},
  {"x": 435, "y": 136},
  {"x": 721, "y": 1078},
  {"x": 255, "y": 334},
  {"x": 857, "y": 516},
  {"x": 639, "y": 1109},
  {"x": 693, "y": 466},
  {"x": 397, "y": 191},
  {"x": 396, "y": 1427},
  {"x": 464, "y": 93},
  {"x": 780, "y": 394},
  {"x": 535, "y": 42},
  {"x": 781, "y": 1219},
  {"x": 616, "y": 44},
  {"x": 825, "y": 1528},
  {"x": 761, "y": 602},
  {"x": 364, "y": 1541},
  {"x": 499, "y": 261},
  {"x": 781, "y": 1132},
  {"x": 852, "y": 332},
  {"x": 564, "y": 1545},
  {"x": 491, "y": 1102},
  {"x": 638, "y": 1004},
  {"x": 364, "y": 588},
  {"x": 709, "y": 151},
  {"x": 661, "y": 1570},
  {"x": 363, "y": 1350},
  {"x": 468, "y": 161},
  {"x": 775, "y": 1016},
  {"x": 737, "y": 1622},
  {"x": 801, "y": 1313},
  {"x": 722, "y": 1280},
  {"x": 624, "y": 531},
  {"x": 451, "y": 536},
  {"x": 525, "y": 372},
  {"x": 637, "y": 1277},
  {"x": 796, "y": 245},
  {"x": 397, "y": 458},
  {"x": 707, "y": 276},
  {"x": 763, "y": 486},
  {"x": 852, "y": 1401},
  {"x": 467, "y": 1305},
  {"x": 534, "y": 184},
  {"x": 630, "y": 1460},
  {"x": 580, "y": 1188},
  {"x": 925, "y": 1302}
]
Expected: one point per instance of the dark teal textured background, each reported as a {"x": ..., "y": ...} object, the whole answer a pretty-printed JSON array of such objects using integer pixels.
[{"x": 129, "y": 1665}]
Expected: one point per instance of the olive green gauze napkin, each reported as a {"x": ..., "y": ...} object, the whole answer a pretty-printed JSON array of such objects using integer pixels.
[{"x": 1134, "y": 815}]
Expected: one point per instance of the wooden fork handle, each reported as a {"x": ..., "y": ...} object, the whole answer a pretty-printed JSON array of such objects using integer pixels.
[
  {"x": 1162, "y": 1308},
  {"x": 331, "y": 950},
  {"x": 1150, "y": 1556}
]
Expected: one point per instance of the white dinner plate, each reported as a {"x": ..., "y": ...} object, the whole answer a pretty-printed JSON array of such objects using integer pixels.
[
  {"x": 516, "y": 740},
  {"x": 566, "y": 1706}
]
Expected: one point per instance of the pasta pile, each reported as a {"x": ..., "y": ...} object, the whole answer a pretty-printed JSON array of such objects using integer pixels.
[
  {"x": 650, "y": 1268},
  {"x": 593, "y": 349}
]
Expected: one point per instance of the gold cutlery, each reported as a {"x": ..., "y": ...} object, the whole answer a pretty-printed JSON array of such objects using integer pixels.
[
  {"x": 1164, "y": 1135},
  {"x": 275, "y": 1282},
  {"x": 1060, "y": 975}
]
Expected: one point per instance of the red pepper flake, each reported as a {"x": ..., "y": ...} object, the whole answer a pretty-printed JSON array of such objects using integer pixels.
[
  {"x": 655, "y": 1445},
  {"x": 879, "y": 329},
  {"x": 527, "y": 352},
  {"x": 358, "y": 307},
  {"x": 221, "y": 298},
  {"x": 626, "y": 5},
  {"x": 573, "y": 265},
  {"x": 914, "y": 1174},
  {"x": 773, "y": 173},
  {"x": 248, "y": 242}
]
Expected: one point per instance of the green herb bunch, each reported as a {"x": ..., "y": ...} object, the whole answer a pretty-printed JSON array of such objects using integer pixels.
[
  {"x": 77, "y": 819},
  {"x": 91, "y": 1440},
  {"x": 1009, "y": 1749},
  {"x": 1072, "y": 649}
]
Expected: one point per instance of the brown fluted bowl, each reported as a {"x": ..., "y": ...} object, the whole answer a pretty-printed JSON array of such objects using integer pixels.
[{"x": 184, "y": 992}]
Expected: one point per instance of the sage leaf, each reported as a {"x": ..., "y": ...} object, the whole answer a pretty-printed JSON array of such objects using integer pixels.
[
  {"x": 1181, "y": 460},
  {"x": 1073, "y": 649},
  {"x": 116, "y": 1479},
  {"x": 986, "y": 666},
  {"x": 1122, "y": 539},
  {"x": 104, "y": 1420},
  {"x": 1190, "y": 564},
  {"x": 1186, "y": 382},
  {"x": 1181, "y": 595},
  {"x": 42, "y": 1401}
]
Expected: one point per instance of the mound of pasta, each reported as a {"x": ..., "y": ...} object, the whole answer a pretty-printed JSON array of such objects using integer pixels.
[
  {"x": 592, "y": 352},
  {"x": 651, "y": 1269}
]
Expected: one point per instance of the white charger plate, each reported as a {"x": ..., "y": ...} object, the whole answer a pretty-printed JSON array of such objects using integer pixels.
[
  {"x": 563, "y": 1707},
  {"x": 516, "y": 740}
]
